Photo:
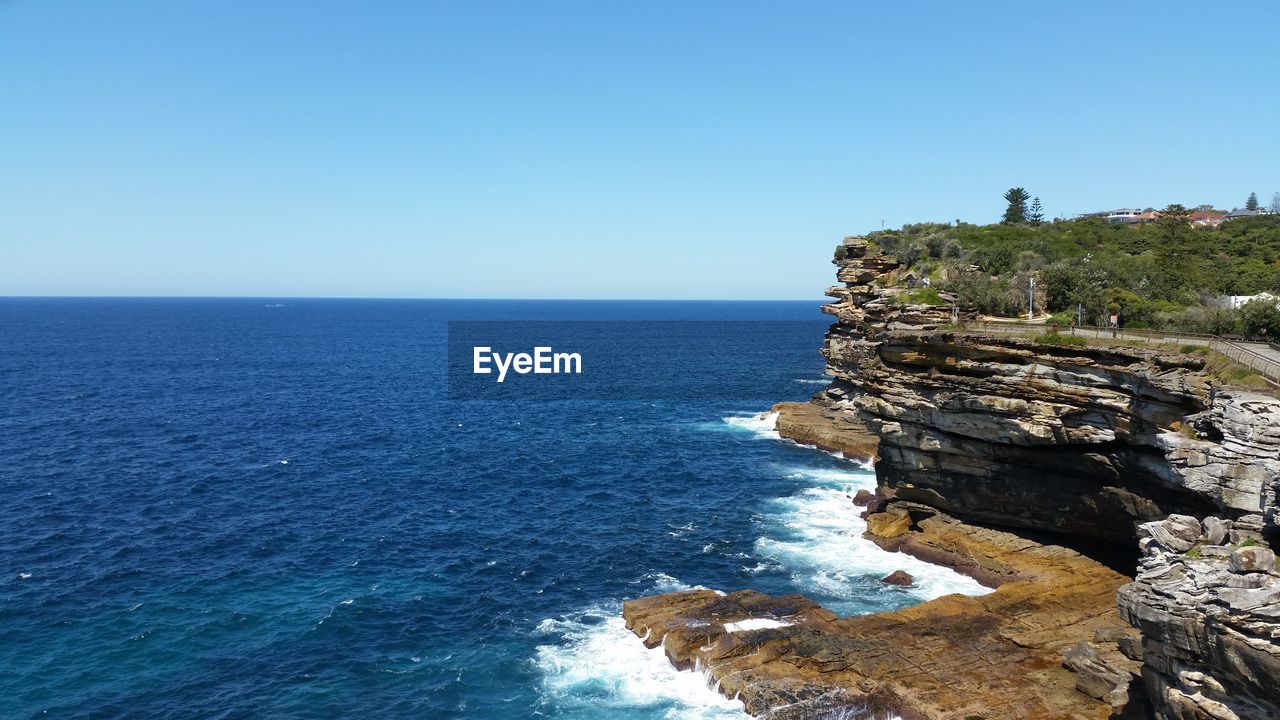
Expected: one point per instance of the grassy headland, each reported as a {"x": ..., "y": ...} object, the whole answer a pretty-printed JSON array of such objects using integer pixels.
[{"x": 1162, "y": 275}]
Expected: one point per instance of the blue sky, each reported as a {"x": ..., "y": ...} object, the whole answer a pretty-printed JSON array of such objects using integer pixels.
[{"x": 590, "y": 150}]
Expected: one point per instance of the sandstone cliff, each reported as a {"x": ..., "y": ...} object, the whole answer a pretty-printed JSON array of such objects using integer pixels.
[
  {"x": 1085, "y": 441},
  {"x": 1090, "y": 443},
  {"x": 994, "y": 453}
]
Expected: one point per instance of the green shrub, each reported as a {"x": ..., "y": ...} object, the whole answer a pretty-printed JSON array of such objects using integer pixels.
[
  {"x": 1066, "y": 318},
  {"x": 986, "y": 294},
  {"x": 924, "y": 296},
  {"x": 921, "y": 296}
]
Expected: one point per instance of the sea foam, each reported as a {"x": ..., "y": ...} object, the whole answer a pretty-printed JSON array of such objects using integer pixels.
[
  {"x": 762, "y": 425},
  {"x": 816, "y": 535},
  {"x": 755, "y": 624},
  {"x": 596, "y": 667}
]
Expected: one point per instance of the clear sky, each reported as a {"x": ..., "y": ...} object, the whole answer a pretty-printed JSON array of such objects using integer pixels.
[{"x": 593, "y": 149}]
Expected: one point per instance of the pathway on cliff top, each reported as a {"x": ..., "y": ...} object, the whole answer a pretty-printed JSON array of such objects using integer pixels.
[{"x": 1260, "y": 357}]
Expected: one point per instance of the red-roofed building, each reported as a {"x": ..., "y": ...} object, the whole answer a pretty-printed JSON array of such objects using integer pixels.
[{"x": 1201, "y": 218}]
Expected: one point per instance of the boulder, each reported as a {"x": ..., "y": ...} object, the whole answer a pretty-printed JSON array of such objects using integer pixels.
[
  {"x": 1215, "y": 530},
  {"x": 1176, "y": 532},
  {"x": 898, "y": 577},
  {"x": 863, "y": 498},
  {"x": 1253, "y": 559},
  {"x": 1096, "y": 678}
]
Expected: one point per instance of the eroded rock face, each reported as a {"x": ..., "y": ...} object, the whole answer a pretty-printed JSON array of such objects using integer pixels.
[
  {"x": 1210, "y": 622},
  {"x": 1090, "y": 443},
  {"x": 826, "y": 428},
  {"x": 996, "y": 656},
  {"x": 1086, "y": 441}
]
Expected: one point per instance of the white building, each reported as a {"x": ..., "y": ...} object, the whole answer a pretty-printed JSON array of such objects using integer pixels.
[
  {"x": 1125, "y": 215},
  {"x": 1234, "y": 302}
]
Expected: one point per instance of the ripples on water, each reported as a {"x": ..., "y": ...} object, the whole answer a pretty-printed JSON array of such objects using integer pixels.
[{"x": 225, "y": 508}]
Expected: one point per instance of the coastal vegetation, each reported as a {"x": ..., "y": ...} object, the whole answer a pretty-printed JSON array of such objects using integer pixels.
[
  {"x": 1228, "y": 372},
  {"x": 921, "y": 296},
  {"x": 1053, "y": 338},
  {"x": 1165, "y": 274}
]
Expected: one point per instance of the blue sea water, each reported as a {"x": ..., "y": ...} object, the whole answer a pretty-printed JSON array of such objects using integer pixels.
[{"x": 271, "y": 508}]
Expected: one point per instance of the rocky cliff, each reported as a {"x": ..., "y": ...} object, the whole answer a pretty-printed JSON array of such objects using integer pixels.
[
  {"x": 995, "y": 453},
  {"x": 1207, "y": 600},
  {"x": 1084, "y": 441},
  {"x": 1116, "y": 443}
]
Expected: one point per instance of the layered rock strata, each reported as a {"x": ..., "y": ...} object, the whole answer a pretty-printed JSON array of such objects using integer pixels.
[
  {"x": 1207, "y": 600},
  {"x": 1107, "y": 444},
  {"x": 1096, "y": 439},
  {"x": 994, "y": 656},
  {"x": 825, "y": 428}
]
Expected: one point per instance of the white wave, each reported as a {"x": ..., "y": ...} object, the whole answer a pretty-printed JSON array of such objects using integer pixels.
[
  {"x": 844, "y": 479},
  {"x": 598, "y": 668},
  {"x": 678, "y": 531},
  {"x": 761, "y": 567},
  {"x": 662, "y": 583},
  {"x": 755, "y": 624},
  {"x": 764, "y": 425},
  {"x": 761, "y": 424},
  {"x": 807, "y": 381},
  {"x": 816, "y": 535}
]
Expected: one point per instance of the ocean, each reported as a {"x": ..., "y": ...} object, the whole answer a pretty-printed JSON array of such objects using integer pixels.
[{"x": 234, "y": 508}]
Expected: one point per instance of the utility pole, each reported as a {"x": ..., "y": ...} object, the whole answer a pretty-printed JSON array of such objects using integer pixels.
[
  {"x": 1079, "y": 314},
  {"x": 1031, "y": 298}
]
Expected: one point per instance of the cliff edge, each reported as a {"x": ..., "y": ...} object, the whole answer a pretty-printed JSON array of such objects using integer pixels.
[{"x": 1122, "y": 504}]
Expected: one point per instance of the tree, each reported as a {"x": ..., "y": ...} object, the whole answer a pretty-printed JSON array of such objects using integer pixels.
[
  {"x": 911, "y": 252},
  {"x": 1260, "y": 319},
  {"x": 1173, "y": 221},
  {"x": 1036, "y": 215},
  {"x": 1074, "y": 282},
  {"x": 1175, "y": 252},
  {"x": 1252, "y": 202},
  {"x": 1016, "y": 213},
  {"x": 1275, "y": 203}
]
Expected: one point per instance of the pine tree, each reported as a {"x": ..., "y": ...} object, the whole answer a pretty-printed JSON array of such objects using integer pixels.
[
  {"x": 1275, "y": 203},
  {"x": 1036, "y": 215},
  {"x": 1252, "y": 202},
  {"x": 1016, "y": 213}
]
